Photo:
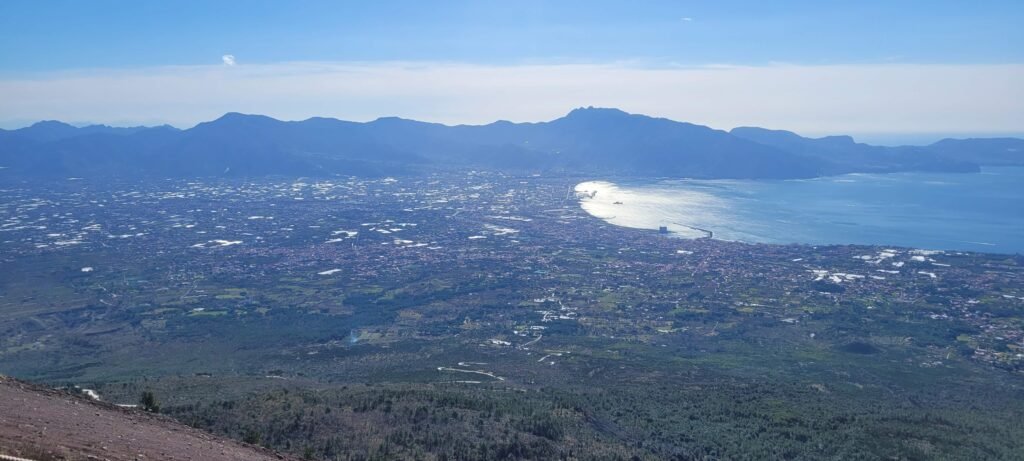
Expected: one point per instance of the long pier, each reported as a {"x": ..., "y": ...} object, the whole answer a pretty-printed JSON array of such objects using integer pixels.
[{"x": 710, "y": 234}]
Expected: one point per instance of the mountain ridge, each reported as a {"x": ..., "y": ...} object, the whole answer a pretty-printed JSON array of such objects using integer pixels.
[{"x": 585, "y": 141}]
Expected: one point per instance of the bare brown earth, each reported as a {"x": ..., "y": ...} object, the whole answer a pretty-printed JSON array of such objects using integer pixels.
[{"x": 42, "y": 424}]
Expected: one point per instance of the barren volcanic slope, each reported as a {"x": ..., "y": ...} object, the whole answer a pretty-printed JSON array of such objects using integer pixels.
[{"x": 42, "y": 424}]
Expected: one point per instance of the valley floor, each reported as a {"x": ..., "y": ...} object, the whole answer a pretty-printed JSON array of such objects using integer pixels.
[{"x": 484, "y": 316}]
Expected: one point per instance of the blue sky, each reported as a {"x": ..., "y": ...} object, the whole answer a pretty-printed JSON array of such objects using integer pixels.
[
  {"x": 56, "y": 43},
  {"x": 49, "y": 35}
]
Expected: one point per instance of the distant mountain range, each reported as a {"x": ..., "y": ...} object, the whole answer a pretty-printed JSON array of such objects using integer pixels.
[{"x": 586, "y": 141}]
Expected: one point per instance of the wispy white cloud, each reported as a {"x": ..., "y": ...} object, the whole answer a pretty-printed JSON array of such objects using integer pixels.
[
  {"x": 228, "y": 59},
  {"x": 686, "y": 19},
  {"x": 877, "y": 98}
]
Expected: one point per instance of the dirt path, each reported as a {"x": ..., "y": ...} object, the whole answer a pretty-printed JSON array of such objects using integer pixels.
[
  {"x": 479, "y": 372},
  {"x": 41, "y": 424}
]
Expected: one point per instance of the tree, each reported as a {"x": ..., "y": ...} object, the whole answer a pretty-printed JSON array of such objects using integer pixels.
[
  {"x": 252, "y": 436},
  {"x": 148, "y": 402}
]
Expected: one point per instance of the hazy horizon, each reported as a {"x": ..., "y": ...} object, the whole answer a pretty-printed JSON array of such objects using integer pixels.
[{"x": 957, "y": 71}]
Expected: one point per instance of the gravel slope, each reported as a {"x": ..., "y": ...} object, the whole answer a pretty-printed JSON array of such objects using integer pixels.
[{"x": 40, "y": 423}]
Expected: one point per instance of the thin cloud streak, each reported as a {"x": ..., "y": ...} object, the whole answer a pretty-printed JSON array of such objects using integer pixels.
[{"x": 880, "y": 98}]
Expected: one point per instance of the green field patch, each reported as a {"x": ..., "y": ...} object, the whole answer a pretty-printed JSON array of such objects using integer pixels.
[
  {"x": 207, "y": 313},
  {"x": 685, "y": 311},
  {"x": 371, "y": 290},
  {"x": 163, "y": 310}
]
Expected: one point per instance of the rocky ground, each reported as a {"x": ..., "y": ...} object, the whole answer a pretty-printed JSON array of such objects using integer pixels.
[{"x": 41, "y": 424}]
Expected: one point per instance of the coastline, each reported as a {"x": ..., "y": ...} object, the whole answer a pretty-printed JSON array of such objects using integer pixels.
[{"x": 910, "y": 210}]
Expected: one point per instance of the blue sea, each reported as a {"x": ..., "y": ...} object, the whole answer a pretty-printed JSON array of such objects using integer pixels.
[{"x": 943, "y": 211}]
